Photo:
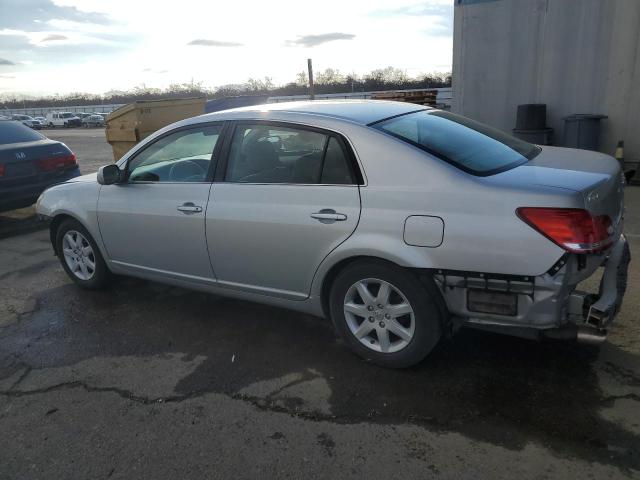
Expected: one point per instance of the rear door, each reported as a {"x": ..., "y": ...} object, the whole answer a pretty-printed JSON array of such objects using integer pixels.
[{"x": 287, "y": 196}]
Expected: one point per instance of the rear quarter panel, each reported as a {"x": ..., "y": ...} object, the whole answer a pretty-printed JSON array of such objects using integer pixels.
[{"x": 482, "y": 232}]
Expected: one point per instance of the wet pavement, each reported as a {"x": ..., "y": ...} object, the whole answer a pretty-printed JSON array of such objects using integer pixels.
[
  {"x": 168, "y": 380},
  {"x": 149, "y": 381}
]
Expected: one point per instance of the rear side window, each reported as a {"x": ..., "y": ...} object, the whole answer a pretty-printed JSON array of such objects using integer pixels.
[
  {"x": 16, "y": 132},
  {"x": 273, "y": 154},
  {"x": 335, "y": 169},
  {"x": 469, "y": 145}
]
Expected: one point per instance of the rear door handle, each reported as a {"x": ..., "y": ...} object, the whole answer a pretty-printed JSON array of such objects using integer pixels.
[
  {"x": 189, "y": 208},
  {"x": 328, "y": 215}
]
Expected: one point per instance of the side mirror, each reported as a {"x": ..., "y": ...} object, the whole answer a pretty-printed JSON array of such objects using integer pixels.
[{"x": 109, "y": 174}]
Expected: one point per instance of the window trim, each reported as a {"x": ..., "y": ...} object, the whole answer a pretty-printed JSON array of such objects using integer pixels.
[
  {"x": 212, "y": 165},
  {"x": 352, "y": 161}
]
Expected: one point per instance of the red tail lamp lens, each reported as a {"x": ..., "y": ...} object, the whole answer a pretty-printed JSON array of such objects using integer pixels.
[
  {"x": 573, "y": 229},
  {"x": 54, "y": 163}
]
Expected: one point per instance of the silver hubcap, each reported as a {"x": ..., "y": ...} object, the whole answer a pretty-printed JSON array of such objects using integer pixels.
[
  {"x": 379, "y": 315},
  {"x": 78, "y": 255}
]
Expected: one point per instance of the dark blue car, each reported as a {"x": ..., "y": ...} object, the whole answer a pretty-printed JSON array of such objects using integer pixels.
[{"x": 29, "y": 163}]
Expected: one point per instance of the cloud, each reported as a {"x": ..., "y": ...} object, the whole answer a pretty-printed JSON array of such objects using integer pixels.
[
  {"x": 424, "y": 10},
  {"x": 54, "y": 37},
  {"x": 438, "y": 18},
  {"x": 31, "y": 14},
  {"x": 7, "y": 76},
  {"x": 314, "y": 40},
  {"x": 203, "y": 42},
  {"x": 4, "y": 61}
]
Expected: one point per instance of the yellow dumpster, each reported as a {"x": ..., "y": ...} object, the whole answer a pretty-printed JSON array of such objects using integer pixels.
[{"x": 128, "y": 125}]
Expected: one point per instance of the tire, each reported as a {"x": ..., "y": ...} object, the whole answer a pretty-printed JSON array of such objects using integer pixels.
[
  {"x": 92, "y": 272},
  {"x": 421, "y": 328}
]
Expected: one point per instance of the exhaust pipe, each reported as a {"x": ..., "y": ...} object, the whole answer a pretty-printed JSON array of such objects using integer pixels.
[
  {"x": 582, "y": 334},
  {"x": 591, "y": 336}
]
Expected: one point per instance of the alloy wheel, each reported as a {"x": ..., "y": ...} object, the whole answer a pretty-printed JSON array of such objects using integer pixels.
[
  {"x": 379, "y": 315},
  {"x": 78, "y": 255}
]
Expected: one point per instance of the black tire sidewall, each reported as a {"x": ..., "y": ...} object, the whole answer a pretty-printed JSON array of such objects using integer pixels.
[
  {"x": 428, "y": 319},
  {"x": 102, "y": 275}
]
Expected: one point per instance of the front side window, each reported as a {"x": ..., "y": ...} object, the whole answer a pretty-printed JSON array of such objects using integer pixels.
[
  {"x": 182, "y": 156},
  {"x": 467, "y": 144},
  {"x": 273, "y": 154}
]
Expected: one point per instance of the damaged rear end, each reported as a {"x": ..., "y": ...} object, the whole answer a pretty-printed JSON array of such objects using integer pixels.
[{"x": 589, "y": 232}]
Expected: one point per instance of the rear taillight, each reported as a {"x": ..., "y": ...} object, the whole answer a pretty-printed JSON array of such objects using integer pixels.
[
  {"x": 54, "y": 163},
  {"x": 2, "y": 169},
  {"x": 573, "y": 229}
]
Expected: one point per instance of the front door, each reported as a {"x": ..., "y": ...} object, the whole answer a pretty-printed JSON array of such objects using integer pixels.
[
  {"x": 154, "y": 223},
  {"x": 289, "y": 197}
]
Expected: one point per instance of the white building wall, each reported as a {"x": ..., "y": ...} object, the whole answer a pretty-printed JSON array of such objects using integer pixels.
[{"x": 577, "y": 56}]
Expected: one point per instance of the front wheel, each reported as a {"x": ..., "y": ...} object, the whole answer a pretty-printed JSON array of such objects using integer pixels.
[
  {"x": 80, "y": 257},
  {"x": 385, "y": 314}
]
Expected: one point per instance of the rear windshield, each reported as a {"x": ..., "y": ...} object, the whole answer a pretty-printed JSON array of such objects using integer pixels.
[
  {"x": 16, "y": 132},
  {"x": 467, "y": 144}
]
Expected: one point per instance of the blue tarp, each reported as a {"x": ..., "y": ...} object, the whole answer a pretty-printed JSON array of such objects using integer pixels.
[{"x": 233, "y": 102}]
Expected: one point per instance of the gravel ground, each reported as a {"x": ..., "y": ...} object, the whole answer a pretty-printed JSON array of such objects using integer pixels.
[{"x": 149, "y": 381}]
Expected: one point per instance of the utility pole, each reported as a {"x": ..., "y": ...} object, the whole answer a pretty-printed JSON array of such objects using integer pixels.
[{"x": 311, "y": 91}]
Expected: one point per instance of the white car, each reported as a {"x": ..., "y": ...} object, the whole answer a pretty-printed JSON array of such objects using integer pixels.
[{"x": 26, "y": 120}]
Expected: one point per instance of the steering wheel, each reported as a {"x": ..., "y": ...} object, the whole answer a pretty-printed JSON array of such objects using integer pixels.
[{"x": 187, "y": 171}]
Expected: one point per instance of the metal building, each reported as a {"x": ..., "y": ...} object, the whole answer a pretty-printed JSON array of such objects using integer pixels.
[{"x": 576, "y": 56}]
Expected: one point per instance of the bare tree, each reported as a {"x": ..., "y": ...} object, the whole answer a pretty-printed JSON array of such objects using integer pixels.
[
  {"x": 328, "y": 81},
  {"x": 329, "y": 76}
]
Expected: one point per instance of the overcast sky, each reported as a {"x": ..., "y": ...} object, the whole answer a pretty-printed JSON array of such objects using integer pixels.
[{"x": 62, "y": 46}]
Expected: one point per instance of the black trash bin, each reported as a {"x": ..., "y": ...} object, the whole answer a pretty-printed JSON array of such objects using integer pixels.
[
  {"x": 531, "y": 116},
  {"x": 582, "y": 131},
  {"x": 531, "y": 124}
]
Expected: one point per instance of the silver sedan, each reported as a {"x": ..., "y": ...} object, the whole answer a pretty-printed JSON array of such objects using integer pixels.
[{"x": 398, "y": 222}]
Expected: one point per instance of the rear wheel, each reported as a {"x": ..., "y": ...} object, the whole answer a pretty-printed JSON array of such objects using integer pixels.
[
  {"x": 80, "y": 256},
  {"x": 385, "y": 314}
]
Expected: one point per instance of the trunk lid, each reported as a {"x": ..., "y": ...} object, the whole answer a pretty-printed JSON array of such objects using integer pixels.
[
  {"x": 597, "y": 177},
  {"x": 19, "y": 161}
]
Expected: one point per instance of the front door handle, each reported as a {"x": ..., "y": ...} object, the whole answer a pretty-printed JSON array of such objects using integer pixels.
[
  {"x": 189, "y": 208},
  {"x": 328, "y": 215}
]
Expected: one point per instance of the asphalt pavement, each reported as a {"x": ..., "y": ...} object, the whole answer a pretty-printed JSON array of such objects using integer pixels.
[{"x": 149, "y": 381}]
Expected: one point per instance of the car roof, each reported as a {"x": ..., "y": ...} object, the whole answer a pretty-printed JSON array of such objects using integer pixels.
[{"x": 358, "y": 111}]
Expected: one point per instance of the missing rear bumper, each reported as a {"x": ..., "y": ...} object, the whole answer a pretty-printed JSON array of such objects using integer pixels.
[{"x": 543, "y": 306}]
